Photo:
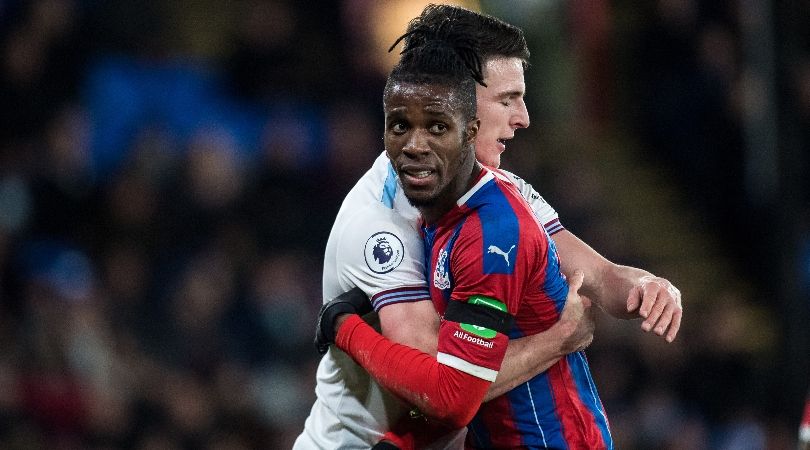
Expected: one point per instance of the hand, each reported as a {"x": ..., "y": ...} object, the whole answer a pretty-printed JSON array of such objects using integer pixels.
[
  {"x": 659, "y": 303},
  {"x": 354, "y": 301},
  {"x": 576, "y": 318}
]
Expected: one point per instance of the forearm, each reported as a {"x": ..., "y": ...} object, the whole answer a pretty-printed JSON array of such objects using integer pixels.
[
  {"x": 438, "y": 391},
  {"x": 525, "y": 358},
  {"x": 612, "y": 286},
  {"x": 413, "y": 324},
  {"x": 624, "y": 292},
  {"x": 606, "y": 283},
  {"x": 528, "y": 356}
]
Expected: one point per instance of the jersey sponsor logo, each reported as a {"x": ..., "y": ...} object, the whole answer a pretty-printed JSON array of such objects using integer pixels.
[
  {"x": 475, "y": 340},
  {"x": 384, "y": 252},
  {"x": 441, "y": 278},
  {"x": 497, "y": 250}
]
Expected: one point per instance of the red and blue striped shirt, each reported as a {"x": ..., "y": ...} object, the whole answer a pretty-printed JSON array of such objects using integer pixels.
[{"x": 492, "y": 245}]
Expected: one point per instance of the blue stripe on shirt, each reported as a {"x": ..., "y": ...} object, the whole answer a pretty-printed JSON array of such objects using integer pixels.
[
  {"x": 533, "y": 403},
  {"x": 588, "y": 394},
  {"x": 500, "y": 228},
  {"x": 389, "y": 187},
  {"x": 555, "y": 285}
]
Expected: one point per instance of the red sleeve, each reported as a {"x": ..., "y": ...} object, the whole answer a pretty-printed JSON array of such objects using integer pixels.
[
  {"x": 464, "y": 347},
  {"x": 439, "y": 391}
]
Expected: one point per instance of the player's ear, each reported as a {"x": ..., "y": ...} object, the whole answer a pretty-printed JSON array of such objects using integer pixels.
[{"x": 472, "y": 130}]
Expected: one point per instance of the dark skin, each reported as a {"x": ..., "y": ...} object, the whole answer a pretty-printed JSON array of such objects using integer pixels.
[{"x": 430, "y": 145}]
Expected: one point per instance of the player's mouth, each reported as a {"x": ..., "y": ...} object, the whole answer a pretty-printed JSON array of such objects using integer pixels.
[
  {"x": 502, "y": 144},
  {"x": 417, "y": 176}
]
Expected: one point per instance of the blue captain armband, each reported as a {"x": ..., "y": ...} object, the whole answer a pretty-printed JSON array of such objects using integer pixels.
[{"x": 482, "y": 316}]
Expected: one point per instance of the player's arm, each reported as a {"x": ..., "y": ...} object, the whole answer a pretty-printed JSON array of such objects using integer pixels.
[
  {"x": 416, "y": 325},
  {"x": 531, "y": 355},
  {"x": 391, "y": 270},
  {"x": 405, "y": 312},
  {"x": 449, "y": 391},
  {"x": 471, "y": 347},
  {"x": 623, "y": 291}
]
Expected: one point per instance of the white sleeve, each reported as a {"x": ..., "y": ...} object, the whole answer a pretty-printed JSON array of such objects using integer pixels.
[
  {"x": 382, "y": 253},
  {"x": 542, "y": 210}
]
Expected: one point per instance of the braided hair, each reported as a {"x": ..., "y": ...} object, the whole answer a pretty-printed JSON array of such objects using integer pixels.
[
  {"x": 443, "y": 31},
  {"x": 439, "y": 56}
]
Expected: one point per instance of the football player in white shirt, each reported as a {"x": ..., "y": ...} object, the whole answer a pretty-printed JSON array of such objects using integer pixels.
[{"x": 374, "y": 245}]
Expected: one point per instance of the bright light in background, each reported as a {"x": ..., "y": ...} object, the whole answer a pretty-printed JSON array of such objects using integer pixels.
[{"x": 388, "y": 21}]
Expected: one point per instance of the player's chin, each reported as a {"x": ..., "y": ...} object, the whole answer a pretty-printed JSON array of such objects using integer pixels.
[
  {"x": 420, "y": 197},
  {"x": 490, "y": 158}
]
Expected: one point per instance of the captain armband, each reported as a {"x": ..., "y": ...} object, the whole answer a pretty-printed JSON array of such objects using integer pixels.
[{"x": 481, "y": 316}]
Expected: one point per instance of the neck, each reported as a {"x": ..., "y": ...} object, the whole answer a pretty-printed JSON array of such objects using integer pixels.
[{"x": 431, "y": 214}]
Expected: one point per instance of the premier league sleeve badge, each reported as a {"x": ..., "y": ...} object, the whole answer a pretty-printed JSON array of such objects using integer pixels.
[{"x": 384, "y": 252}]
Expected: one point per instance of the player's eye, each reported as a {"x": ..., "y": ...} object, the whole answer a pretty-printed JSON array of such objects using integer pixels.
[
  {"x": 508, "y": 101},
  {"x": 438, "y": 128},
  {"x": 398, "y": 128}
]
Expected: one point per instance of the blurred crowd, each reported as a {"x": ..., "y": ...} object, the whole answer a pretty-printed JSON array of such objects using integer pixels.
[{"x": 169, "y": 173}]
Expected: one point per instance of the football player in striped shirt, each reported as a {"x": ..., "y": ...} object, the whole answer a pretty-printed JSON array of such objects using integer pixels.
[
  {"x": 351, "y": 411},
  {"x": 493, "y": 271},
  {"x": 375, "y": 245}
]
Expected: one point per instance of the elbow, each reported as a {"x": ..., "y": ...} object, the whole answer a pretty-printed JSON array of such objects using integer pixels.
[
  {"x": 458, "y": 413},
  {"x": 457, "y": 397}
]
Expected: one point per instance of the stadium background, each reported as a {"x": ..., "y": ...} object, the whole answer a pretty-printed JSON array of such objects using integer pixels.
[{"x": 169, "y": 173}]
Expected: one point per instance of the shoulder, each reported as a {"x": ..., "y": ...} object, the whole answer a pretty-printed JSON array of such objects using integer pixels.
[
  {"x": 500, "y": 207},
  {"x": 544, "y": 212},
  {"x": 373, "y": 226},
  {"x": 498, "y": 227},
  {"x": 378, "y": 251}
]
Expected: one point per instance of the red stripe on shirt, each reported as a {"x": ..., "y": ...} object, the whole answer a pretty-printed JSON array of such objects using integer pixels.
[{"x": 579, "y": 427}]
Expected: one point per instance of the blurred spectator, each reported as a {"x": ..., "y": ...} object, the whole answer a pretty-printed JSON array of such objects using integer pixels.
[{"x": 39, "y": 39}]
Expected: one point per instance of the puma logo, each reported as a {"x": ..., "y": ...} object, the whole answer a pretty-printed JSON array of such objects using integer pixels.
[{"x": 498, "y": 251}]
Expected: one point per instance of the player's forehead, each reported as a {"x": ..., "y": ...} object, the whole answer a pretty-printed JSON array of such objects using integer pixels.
[
  {"x": 502, "y": 74},
  {"x": 431, "y": 98}
]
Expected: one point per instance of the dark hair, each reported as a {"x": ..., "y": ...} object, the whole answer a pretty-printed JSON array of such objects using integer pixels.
[
  {"x": 491, "y": 36},
  {"x": 442, "y": 58}
]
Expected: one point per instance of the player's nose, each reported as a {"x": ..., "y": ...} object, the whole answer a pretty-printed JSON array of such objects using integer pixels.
[
  {"x": 416, "y": 145},
  {"x": 520, "y": 119}
]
